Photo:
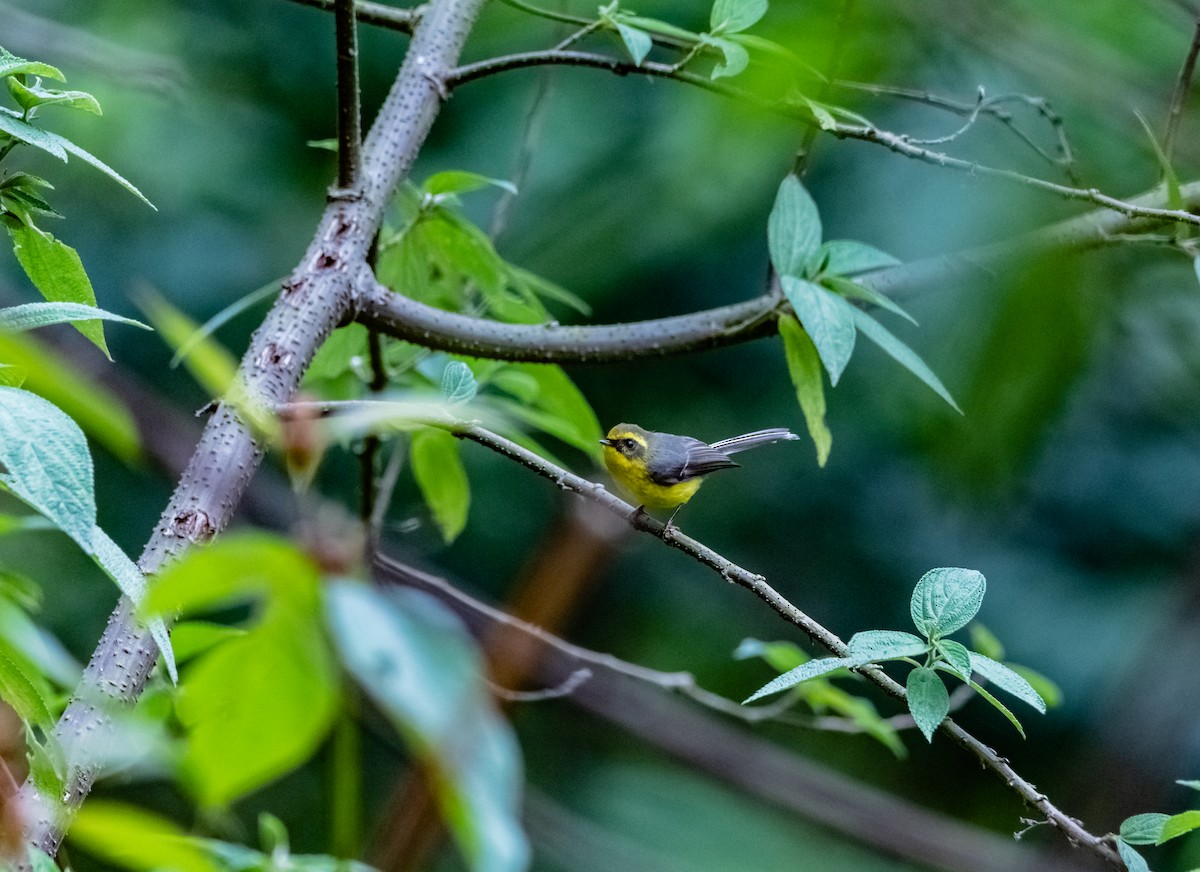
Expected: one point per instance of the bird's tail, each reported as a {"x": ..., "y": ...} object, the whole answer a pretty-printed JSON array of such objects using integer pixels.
[{"x": 752, "y": 440}]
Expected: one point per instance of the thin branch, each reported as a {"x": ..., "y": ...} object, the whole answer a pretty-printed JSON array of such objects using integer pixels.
[
  {"x": 348, "y": 94},
  {"x": 550, "y": 14},
  {"x": 377, "y": 14},
  {"x": 899, "y": 143},
  {"x": 1182, "y": 85},
  {"x": 405, "y": 318},
  {"x": 313, "y": 301},
  {"x": 758, "y": 585}
]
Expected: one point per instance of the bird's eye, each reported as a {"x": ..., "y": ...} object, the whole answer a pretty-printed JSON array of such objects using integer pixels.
[{"x": 629, "y": 445}]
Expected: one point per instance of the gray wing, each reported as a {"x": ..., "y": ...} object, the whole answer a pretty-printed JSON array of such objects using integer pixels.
[{"x": 687, "y": 458}]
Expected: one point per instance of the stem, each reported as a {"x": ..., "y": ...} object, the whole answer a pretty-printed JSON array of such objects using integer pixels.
[
  {"x": 345, "y": 825},
  {"x": 378, "y": 14},
  {"x": 1175, "y": 114},
  {"x": 348, "y": 95}
]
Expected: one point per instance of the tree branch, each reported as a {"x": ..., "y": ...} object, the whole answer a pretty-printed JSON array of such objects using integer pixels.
[
  {"x": 758, "y": 585},
  {"x": 405, "y": 318},
  {"x": 314, "y": 299},
  {"x": 348, "y": 96},
  {"x": 1184, "y": 82},
  {"x": 378, "y": 14}
]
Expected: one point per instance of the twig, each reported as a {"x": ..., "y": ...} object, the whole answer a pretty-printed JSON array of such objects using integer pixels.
[
  {"x": 405, "y": 318},
  {"x": 899, "y": 143},
  {"x": 758, "y": 585},
  {"x": 348, "y": 96},
  {"x": 567, "y": 687},
  {"x": 1184, "y": 82},
  {"x": 377, "y": 14}
]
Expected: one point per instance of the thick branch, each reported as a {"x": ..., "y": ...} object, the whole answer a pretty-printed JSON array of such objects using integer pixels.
[
  {"x": 313, "y": 301},
  {"x": 757, "y": 585},
  {"x": 404, "y": 318}
]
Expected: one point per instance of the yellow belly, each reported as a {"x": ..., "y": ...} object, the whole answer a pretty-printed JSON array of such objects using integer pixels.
[{"x": 633, "y": 479}]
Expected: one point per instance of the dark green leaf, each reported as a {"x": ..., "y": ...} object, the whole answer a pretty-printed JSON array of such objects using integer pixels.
[
  {"x": 957, "y": 656},
  {"x": 945, "y": 599},
  {"x": 804, "y": 367},
  {"x": 871, "y": 646},
  {"x": 422, "y": 669},
  {"x": 803, "y": 672},
  {"x": 1143, "y": 829},
  {"x": 928, "y": 700},
  {"x": 732, "y": 16},
  {"x": 1007, "y": 680},
  {"x": 793, "y": 229},
  {"x": 546, "y": 289},
  {"x": 1179, "y": 824},
  {"x": 827, "y": 319},
  {"x": 30, "y": 316},
  {"x": 901, "y": 353},
  {"x": 57, "y": 272},
  {"x": 443, "y": 481},
  {"x": 1134, "y": 862},
  {"x": 846, "y": 257},
  {"x": 45, "y": 462}
]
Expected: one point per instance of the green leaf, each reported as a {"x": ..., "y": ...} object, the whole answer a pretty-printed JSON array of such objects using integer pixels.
[
  {"x": 11, "y": 65},
  {"x": 192, "y": 638},
  {"x": 653, "y": 25},
  {"x": 732, "y": 16},
  {"x": 928, "y": 700},
  {"x": 901, "y": 353},
  {"x": 31, "y": 96},
  {"x": 458, "y": 383},
  {"x": 442, "y": 479},
  {"x": 12, "y": 376},
  {"x": 1050, "y": 692},
  {"x": 1179, "y": 824},
  {"x": 30, "y": 316},
  {"x": 423, "y": 670},
  {"x": 827, "y": 319},
  {"x": 871, "y": 646},
  {"x": 546, "y": 289},
  {"x": 1007, "y": 680},
  {"x": 985, "y": 642},
  {"x": 945, "y": 599},
  {"x": 854, "y": 291},
  {"x": 561, "y": 398},
  {"x": 1143, "y": 829},
  {"x": 637, "y": 42},
  {"x": 735, "y": 58},
  {"x": 821, "y": 114},
  {"x": 804, "y": 367},
  {"x": 803, "y": 672},
  {"x": 999, "y": 706},
  {"x": 45, "y": 462},
  {"x": 18, "y": 689},
  {"x": 57, "y": 272},
  {"x": 37, "y": 647},
  {"x": 30, "y": 134},
  {"x": 793, "y": 229},
  {"x": 1134, "y": 862},
  {"x": 136, "y": 839},
  {"x": 129, "y": 579},
  {"x": 956, "y": 655},
  {"x": 1194, "y": 785},
  {"x": 780, "y": 656},
  {"x": 100, "y": 413},
  {"x": 462, "y": 182},
  {"x": 845, "y": 257}
]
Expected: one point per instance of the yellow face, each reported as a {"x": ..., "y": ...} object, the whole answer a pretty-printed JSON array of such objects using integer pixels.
[{"x": 626, "y": 453}]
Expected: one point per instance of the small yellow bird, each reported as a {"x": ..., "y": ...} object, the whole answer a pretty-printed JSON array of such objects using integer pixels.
[{"x": 663, "y": 471}]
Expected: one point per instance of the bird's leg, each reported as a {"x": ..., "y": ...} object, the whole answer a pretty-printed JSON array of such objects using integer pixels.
[{"x": 669, "y": 529}]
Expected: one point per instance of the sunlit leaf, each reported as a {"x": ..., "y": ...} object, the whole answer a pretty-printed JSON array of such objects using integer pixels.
[
  {"x": 463, "y": 182},
  {"x": 442, "y": 479},
  {"x": 735, "y": 58},
  {"x": 1179, "y": 824},
  {"x": 11, "y": 65},
  {"x": 24, "y": 693},
  {"x": 133, "y": 838},
  {"x": 30, "y": 96},
  {"x": 804, "y": 367}
]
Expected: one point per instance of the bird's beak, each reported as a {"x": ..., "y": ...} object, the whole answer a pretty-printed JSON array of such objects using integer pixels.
[{"x": 606, "y": 442}]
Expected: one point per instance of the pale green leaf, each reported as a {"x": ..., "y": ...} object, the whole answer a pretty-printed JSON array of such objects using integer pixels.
[
  {"x": 732, "y": 16},
  {"x": 803, "y": 672},
  {"x": 217, "y": 321},
  {"x": 1134, "y": 862},
  {"x": 827, "y": 319},
  {"x": 804, "y": 367},
  {"x": 956, "y": 655},
  {"x": 30, "y": 134},
  {"x": 442, "y": 479},
  {"x": 945, "y": 599},
  {"x": 1143, "y": 829},
  {"x": 1179, "y": 824},
  {"x": 11, "y": 65},
  {"x": 21, "y": 691},
  {"x": 12, "y": 376},
  {"x": 1007, "y": 680},
  {"x": 458, "y": 383},
  {"x": 463, "y": 182},
  {"x": 637, "y": 42},
  {"x": 30, "y": 316},
  {"x": 855, "y": 291},
  {"x": 844, "y": 257},
  {"x": 735, "y": 58},
  {"x": 872, "y": 646},
  {"x": 780, "y": 656},
  {"x": 901, "y": 353},
  {"x": 928, "y": 700},
  {"x": 136, "y": 839},
  {"x": 793, "y": 229}
]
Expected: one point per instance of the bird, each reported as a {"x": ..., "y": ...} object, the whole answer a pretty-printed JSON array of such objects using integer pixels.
[{"x": 664, "y": 471}]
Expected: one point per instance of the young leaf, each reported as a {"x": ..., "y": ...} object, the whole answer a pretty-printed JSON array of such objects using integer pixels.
[
  {"x": 1134, "y": 862},
  {"x": 458, "y": 383},
  {"x": 944, "y": 600},
  {"x": 1179, "y": 824},
  {"x": 733, "y": 16},
  {"x": 11, "y": 65},
  {"x": 1007, "y": 680},
  {"x": 828, "y": 320},
  {"x": 803, "y": 672},
  {"x": 443, "y": 481},
  {"x": 637, "y": 42},
  {"x": 846, "y": 257},
  {"x": 928, "y": 700},
  {"x": 793, "y": 229},
  {"x": 871, "y": 646},
  {"x": 30, "y": 316},
  {"x": 45, "y": 462},
  {"x": 462, "y": 182},
  {"x": 1143, "y": 829},
  {"x": 901, "y": 353},
  {"x": 957, "y": 656},
  {"x": 804, "y": 367},
  {"x": 57, "y": 272},
  {"x": 735, "y": 57}
]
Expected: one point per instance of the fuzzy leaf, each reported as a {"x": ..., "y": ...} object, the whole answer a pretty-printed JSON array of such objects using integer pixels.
[
  {"x": 803, "y": 672},
  {"x": 928, "y": 700},
  {"x": 945, "y": 599}
]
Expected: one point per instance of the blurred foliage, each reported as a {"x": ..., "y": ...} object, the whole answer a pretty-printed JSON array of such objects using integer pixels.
[{"x": 1070, "y": 481}]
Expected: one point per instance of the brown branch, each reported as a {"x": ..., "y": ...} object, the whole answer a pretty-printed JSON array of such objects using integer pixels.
[
  {"x": 377, "y": 14},
  {"x": 757, "y": 584},
  {"x": 313, "y": 301},
  {"x": 1182, "y": 85}
]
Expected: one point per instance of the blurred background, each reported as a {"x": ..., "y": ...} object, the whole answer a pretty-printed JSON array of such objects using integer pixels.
[{"x": 1071, "y": 481}]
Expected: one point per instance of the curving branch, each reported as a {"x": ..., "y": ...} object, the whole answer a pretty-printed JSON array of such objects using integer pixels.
[
  {"x": 314, "y": 299},
  {"x": 378, "y": 14},
  {"x": 757, "y": 584},
  {"x": 405, "y": 318}
]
